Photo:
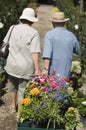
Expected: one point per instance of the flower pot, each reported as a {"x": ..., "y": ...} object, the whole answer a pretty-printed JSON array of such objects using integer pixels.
[{"x": 27, "y": 126}]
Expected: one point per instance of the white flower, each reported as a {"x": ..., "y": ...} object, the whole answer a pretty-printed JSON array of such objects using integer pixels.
[
  {"x": 84, "y": 103},
  {"x": 1, "y": 25},
  {"x": 76, "y": 26}
]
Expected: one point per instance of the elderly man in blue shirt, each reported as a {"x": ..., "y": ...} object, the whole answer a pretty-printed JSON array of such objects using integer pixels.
[{"x": 59, "y": 46}]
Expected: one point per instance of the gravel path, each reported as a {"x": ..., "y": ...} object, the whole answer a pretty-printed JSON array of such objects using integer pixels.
[{"x": 7, "y": 119}]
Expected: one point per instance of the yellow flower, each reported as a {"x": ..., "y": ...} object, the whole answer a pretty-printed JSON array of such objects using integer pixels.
[
  {"x": 26, "y": 101},
  {"x": 34, "y": 91},
  {"x": 32, "y": 85},
  {"x": 55, "y": 9},
  {"x": 71, "y": 109}
]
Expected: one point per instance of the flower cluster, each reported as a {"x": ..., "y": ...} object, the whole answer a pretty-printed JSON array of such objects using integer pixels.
[
  {"x": 76, "y": 74},
  {"x": 50, "y": 99},
  {"x": 76, "y": 67}
]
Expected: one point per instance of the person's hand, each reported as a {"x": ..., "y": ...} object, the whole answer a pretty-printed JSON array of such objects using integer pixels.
[{"x": 38, "y": 72}]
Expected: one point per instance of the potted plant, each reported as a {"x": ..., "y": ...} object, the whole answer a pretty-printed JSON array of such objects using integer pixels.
[{"x": 49, "y": 103}]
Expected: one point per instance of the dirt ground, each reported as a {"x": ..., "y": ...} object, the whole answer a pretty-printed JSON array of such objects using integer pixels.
[{"x": 8, "y": 119}]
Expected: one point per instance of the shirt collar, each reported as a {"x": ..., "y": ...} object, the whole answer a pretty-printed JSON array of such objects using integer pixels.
[{"x": 60, "y": 28}]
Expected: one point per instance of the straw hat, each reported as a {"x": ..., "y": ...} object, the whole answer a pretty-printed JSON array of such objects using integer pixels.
[
  {"x": 29, "y": 14},
  {"x": 58, "y": 17}
]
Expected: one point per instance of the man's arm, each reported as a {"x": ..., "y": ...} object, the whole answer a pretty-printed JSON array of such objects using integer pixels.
[
  {"x": 46, "y": 66},
  {"x": 76, "y": 49}
]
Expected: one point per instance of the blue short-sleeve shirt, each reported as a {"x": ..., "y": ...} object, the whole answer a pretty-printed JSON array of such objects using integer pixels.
[{"x": 59, "y": 46}]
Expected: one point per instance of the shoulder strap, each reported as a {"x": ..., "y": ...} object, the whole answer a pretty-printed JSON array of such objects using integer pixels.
[{"x": 10, "y": 33}]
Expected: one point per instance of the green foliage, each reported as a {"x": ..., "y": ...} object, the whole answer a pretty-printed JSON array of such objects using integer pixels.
[
  {"x": 65, "y": 5},
  {"x": 81, "y": 97},
  {"x": 20, "y": 5},
  {"x": 10, "y": 10},
  {"x": 7, "y": 14}
]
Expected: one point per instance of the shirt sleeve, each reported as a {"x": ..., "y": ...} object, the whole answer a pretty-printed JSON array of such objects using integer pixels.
[
  {"x": 47, "y": 49},
  {"x": 35, "y": 43}
]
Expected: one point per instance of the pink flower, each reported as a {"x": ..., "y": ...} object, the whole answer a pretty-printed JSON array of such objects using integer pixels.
[
  {"x": 41, "y": 82},
  {"x": 66, "y": 79},
  {"x": 43, "y": 89},
  {"x": 54, "y": 86}
]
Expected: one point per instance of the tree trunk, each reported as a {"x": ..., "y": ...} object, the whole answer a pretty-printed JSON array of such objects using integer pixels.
[{"x": 81, "y": 5}]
